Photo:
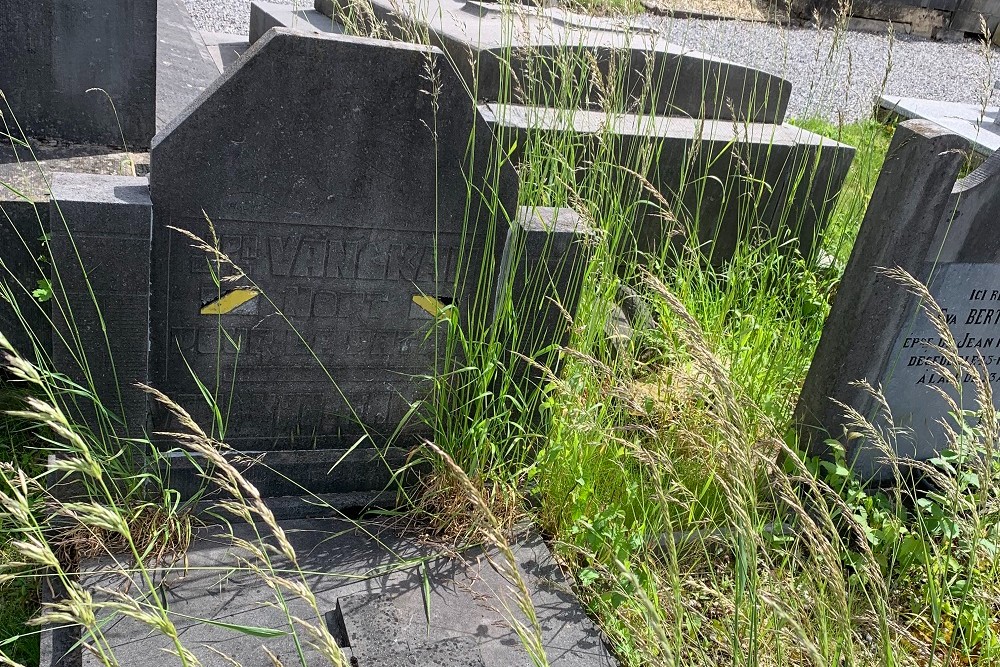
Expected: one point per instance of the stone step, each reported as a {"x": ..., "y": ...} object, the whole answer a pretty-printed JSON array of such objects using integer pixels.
[
  {"x": 353, "y": 474},
  {"x": 225, "y": 48}
]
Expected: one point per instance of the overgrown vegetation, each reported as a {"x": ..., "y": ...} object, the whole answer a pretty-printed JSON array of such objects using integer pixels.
[{"x": 695, "y": 530}]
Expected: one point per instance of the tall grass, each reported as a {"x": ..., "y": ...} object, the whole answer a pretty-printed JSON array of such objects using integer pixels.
[{"x": 694, "y": 530}]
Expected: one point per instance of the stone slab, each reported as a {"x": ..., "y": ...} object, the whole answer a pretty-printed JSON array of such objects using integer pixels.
[
  {"x": 26, "y": 170},
  {"x": 100, "y": 238},
  {"x": 969, "y": 121},
  {"x": 804, "y": 171},
  {"x": 378, "y": 633},
  {"x": 26, "y": 174},
  {"x": 541, "y": 278},
  {"x": 342, "y": 560},
  {"x": 54, "y": 51},
  {"x": 344, "y": 472},
  {"x": 369, "y": 212},
  {"x": 940, "y": 230},
  {"x": 184, "y": 64},
  {"x": 485, "y": 40},
  {"x": 225, "y": 48},
  {"x": 267, "y": 15}
]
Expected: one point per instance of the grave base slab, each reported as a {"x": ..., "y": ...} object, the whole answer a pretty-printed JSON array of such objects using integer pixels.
[{"x": 446, "y": 607}]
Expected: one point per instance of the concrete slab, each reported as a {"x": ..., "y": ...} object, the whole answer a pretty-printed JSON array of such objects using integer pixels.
[
  {"x": 25, "y": 179},
  {"x": 184, "y": 66},
  {"x": 267, "y": 15},
  {"x": 970, "y": 121},
  {"x": 225, "y": 48},
  {"x": 437, "y": 601}
]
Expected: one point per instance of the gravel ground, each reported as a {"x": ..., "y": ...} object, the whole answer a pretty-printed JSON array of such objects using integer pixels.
[
  {"x": 841, "y": 81},
  {"x": 229, "y": 16},
  {"x": 831, "y": 81}
]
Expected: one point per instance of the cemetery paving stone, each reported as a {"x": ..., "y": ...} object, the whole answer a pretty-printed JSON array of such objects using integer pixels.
[{"x": 376, "y": 579}]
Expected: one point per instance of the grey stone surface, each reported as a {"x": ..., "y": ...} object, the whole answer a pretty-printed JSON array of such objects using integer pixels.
[
  {"x": 100, "y": 241},
  {"x": 58, "y": 647},
  {"x": 342, "y": 560},
  {"x": 184, "y": 64},
  {"x": 485, "y": 40},
  {"x": 340, "y": 204},
  {"x": 925, "y": 221},
  {"x": 541, "y": 277},
  {"x": 347, "y": 472},
  {"x": 267, "y": 15},
  {"x": 53, "y": 51},
  {"x": 803, "y": 170},
  {"x": 377, "y": 633},
  {"x": 974, "y": 122},
  {"x": 225, "y": 48},
  {"x": 25, "y": 178}
]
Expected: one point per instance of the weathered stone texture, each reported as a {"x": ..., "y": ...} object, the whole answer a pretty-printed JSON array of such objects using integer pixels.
[{"x": 53, "y": 51}]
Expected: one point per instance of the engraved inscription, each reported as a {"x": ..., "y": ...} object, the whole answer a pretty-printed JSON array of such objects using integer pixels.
[
  {"x": 969, "y": 295},
  {"x": 334, "y": 338}
]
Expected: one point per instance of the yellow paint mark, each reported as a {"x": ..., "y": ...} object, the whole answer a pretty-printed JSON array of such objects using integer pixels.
[
  {"x": 429, "y": 303},
  {"x": 229, "y": 301}
]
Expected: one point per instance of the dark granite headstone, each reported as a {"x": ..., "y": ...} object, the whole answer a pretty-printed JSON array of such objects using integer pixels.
[
  {"x": 100, "y": 228},
  {"x": 26, "y": 174},
  {"x": 702, "y": 171},
  {"x": 53, "y": 51},
  {"x": 941, "y": 230},
  {"x": 339, "y": 183},
  {"x": 513, "y": 53}
]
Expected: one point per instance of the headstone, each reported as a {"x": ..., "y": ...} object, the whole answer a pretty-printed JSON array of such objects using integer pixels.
[
  {"x": 502, "y": 51},
  {"x": 100, "y": 241},
  {"x": 26, "y": 172},
  {"x": 970, "y": 121},
  {"x": 54, "y": 51},
  {"x": 699, "y": 169},
  {"x": 939, "y": 229},
  {"x": 343, "y": 198}
]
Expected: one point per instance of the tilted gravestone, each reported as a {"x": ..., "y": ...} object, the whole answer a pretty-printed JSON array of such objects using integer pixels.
[
  {"x": 682, "y": 104},
  {"x": 700, "y": 170},
  {"x": 939, "y": 228},
  {"x": 516, "y": 53},
  {"x": 52, "y": 52},
  {"x": 336, "y": 173}
]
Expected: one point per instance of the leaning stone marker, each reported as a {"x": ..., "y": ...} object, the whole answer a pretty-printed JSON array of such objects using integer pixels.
[
  {"x": 939, "y": 229},
  {"x": 53, "y": 51},
  {"x": 506, "y": 53},
  {"x": 342, "y": 198},
  {"x": 797, "y": 175}
]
